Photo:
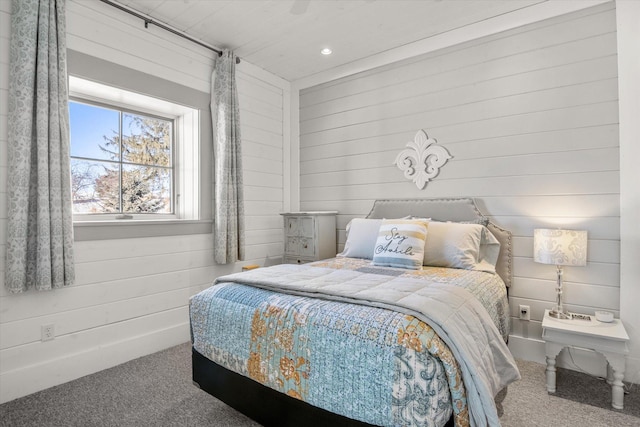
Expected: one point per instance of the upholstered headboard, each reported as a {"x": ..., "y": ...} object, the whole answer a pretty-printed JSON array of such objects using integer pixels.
[{"x": 459, "y": 209}]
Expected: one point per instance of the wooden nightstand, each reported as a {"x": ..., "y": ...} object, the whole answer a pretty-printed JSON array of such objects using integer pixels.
[
  {"x": 309, "y": 236},
  {"x": 608, "y": 339}
]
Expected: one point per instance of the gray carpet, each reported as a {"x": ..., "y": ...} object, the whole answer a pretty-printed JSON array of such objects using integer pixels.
[
  {"x": 580, "y": 400},
  {"x": 156, "y": 390}
]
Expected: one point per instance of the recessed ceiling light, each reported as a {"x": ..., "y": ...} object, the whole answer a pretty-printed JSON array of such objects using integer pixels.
[{"x": 326, "y": 51}]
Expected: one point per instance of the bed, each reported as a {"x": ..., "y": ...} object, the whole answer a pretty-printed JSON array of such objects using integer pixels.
[{"x": 407, "y": 326}]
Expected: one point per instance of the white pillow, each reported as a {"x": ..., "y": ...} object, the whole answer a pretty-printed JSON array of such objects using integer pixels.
[
  {"x": 361, "y": 238},
  {"x": 400, "y": 243},
  {"x": 460, "y": 245}
]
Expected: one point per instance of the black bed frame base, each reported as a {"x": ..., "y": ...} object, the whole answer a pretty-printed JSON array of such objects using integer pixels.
[
  {"x": 263, "y": 404},
  {"x": 260, "y": 403}
]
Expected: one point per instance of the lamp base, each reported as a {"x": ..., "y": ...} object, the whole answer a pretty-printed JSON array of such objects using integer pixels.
[{"x": 559, "y": 314}]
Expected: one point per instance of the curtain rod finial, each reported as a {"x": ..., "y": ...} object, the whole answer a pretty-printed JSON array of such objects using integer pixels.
[{"x": 237, "y": 57}]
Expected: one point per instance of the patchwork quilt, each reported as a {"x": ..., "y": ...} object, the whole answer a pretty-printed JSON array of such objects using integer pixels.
[{"x": 354, "y": 339}]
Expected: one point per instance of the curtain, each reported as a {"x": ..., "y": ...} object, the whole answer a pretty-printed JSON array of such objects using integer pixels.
[
  {"x": 228, "y": 210},
  {"x": 39, "y": 227}
]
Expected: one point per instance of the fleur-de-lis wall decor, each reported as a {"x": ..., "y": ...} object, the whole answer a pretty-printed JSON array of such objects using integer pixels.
[{"x": 423, "y": 159}]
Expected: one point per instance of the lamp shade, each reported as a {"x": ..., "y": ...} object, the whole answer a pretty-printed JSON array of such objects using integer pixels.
[{"x": 560, "y": 247}]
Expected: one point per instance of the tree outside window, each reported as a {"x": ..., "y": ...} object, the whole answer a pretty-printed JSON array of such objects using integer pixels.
[{"x": 121, "y": 162}]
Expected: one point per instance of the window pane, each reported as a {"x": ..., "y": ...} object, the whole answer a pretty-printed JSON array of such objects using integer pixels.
[
  {"x": 94, "y": 131},
  {"x": 146, "y": 189},
  {"x": 146, "y": 140},
  {"x": 95, "y": 187}
]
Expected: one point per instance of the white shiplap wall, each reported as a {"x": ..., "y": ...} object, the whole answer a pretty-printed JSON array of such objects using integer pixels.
[
  {"x": 530, "y": 116},
  {"x": 130, "y": 297}
]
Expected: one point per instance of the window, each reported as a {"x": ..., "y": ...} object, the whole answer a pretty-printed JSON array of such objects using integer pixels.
[
  {"x": 133, "y": 157},
  {"x": 121, "y": 161}
]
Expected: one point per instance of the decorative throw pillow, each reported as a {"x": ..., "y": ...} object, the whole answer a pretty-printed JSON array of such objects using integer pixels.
[
  {"x": 461, "y": 245},
  {"x": 361, "y": 238},
  {"x": 400, "y": 243}
]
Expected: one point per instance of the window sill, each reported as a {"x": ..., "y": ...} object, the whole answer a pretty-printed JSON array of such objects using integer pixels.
[{"x": 132, "y": 228}]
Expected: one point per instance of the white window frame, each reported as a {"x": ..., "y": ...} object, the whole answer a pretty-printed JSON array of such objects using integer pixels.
[{"x": 186, "y": 158}]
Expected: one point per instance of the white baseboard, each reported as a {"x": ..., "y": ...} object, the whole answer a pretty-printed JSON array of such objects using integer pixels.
[
  {"x": 33, "y": 378},
  {"x": 632, "y": 373},
  {"x": 527, "y": 349},
  {"x": 576, "y": 359}
]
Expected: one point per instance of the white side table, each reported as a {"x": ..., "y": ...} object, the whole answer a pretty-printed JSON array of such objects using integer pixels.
[
  {"x": 309, "y": 236},
  {"x": 609, "y": 339}
]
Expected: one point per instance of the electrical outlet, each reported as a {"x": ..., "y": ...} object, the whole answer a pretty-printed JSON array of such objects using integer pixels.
[
  {"x": 48, "y": 332},
  {"x": 525, "y": 312}
]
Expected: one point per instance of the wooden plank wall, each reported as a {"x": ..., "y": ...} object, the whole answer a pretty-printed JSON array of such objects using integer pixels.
[
  {"x": 530, "y": 117},
  {"x": 130, "y": 297}
]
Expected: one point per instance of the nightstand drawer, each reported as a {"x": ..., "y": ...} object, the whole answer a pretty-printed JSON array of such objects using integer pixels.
[
  {"x": 299, "y": 226},
  {"x": 301, "y": 246},
  {"x": 294, "y": 260}
]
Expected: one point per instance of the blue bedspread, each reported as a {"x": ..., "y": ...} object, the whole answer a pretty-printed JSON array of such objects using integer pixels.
[{"x": 367, "y": 363}]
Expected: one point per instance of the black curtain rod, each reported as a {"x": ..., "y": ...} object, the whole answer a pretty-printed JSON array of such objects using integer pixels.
[{"x": 147, "y": 20}]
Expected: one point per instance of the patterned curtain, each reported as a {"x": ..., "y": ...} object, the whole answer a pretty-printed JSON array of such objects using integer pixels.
[
  {"x": 39, "y": 227},
  {"x": 228, "y": 210}
]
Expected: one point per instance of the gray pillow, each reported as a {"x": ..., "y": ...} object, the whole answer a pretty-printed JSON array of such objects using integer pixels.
[{"x": 461, "y": 245}]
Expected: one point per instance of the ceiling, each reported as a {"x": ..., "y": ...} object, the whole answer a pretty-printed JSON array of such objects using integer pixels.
[{"x": 285, "y": 36}]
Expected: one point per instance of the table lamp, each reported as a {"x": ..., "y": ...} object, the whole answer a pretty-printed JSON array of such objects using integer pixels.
[{"x": 559, "y": 248}]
